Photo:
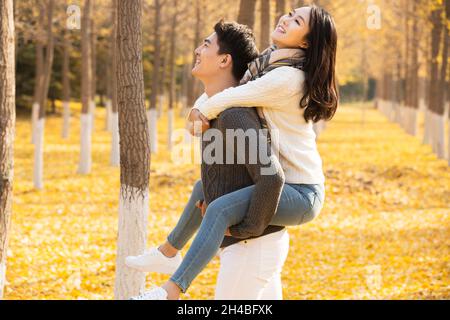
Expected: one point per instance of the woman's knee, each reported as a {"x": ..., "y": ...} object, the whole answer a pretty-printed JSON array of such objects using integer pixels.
[{"x": 198, "y": 188}]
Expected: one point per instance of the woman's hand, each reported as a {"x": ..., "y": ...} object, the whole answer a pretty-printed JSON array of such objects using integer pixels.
[
  {"x": 227, "y": 232},
  {"x": 197, "y": 123}
]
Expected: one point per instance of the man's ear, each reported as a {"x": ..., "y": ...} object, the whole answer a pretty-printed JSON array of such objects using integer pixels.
[{"x": 226, "y": 61}]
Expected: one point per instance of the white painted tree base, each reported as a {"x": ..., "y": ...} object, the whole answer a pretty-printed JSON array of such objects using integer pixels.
[
  {"x": 38, "y": 168},
  {"x": 34, "y": 119},
  {"x": 115, "y": 146},
  {"x": 66, "y": 120},
  {"x": 2, "y": 278},
  {"x": 92, "y": 113},
  {"x": 131, "y": 240},
  {"x": 438, "y": 135},
  {"x": 413, "y": 122},
  {"x": 85, "y": 163},
  {"x": 427, "y": 126},
  {"x": 170, "y": 121},
  {"x": 153, "y": 130},
  {"x": 108, "y": 115}
]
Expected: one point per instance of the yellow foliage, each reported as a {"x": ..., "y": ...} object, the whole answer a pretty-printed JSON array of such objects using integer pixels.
[{"x": 383, "y": 232}]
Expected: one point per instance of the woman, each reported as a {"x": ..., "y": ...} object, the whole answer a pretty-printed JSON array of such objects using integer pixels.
[{"x": 293, "y": 86}]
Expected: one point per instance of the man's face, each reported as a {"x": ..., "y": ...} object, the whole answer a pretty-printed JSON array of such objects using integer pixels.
[{"x": 209, "y": 63}]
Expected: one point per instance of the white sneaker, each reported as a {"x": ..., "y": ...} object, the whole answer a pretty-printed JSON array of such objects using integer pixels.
[
  {"x": 154, "y": 260},
  {"x": 156, "y": 293}
]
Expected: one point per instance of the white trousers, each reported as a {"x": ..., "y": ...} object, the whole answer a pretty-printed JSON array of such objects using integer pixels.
[{"x": 251, "y": 269}]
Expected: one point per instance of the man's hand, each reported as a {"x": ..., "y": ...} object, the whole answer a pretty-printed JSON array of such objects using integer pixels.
[
  {"x": 197, "y": 123},
  {"x": 201, "y": 204}
]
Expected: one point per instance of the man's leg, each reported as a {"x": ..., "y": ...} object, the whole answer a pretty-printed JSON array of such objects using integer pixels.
[{"x": 251, "y": 271}]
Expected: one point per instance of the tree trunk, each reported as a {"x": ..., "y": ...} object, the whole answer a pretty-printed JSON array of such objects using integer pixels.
[
  {"x": 152, "y": 114},
  {"x": 441, "y": 98},
  {"x": 86, "y": 94},
  {"x": 162, "y": 82},
  {"x": 38, "y": 75},
  {"x": 266, "y": 28},
  {"x": 7, "y": 121},
  {"x": 43, "y": 85},
  {"x": 192, "y": 81},
  {"x": 134, "y": 151},
  {"x": 247, "y": 13},
  {"x": 414, "y": 76},
  {"x": 66, "y": 87},
  {"x": 94, "y": 71},
  {"x": 172, "y": 86},
  {"x": 280, "y": 9},
  {"x": 435, "y": 107},
  {"x": 115, "y": 154}
]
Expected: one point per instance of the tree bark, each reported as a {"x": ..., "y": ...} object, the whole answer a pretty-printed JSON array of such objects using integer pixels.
[
  {"x": 7, "y": 132},
  {"x": 134, "y": 149},
  {"x": 247, "y": 13},
  {"x": 86, "y": 92},
  {"x": 266, "y": 27}
]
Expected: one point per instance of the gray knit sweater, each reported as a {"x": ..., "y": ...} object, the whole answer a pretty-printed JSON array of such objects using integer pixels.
[{"x": 220, "y": 179}]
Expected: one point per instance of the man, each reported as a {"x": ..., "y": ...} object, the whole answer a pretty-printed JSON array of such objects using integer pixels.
[
  {"x": 252, "y": 260},
  {"x": 249, "y": 268}
]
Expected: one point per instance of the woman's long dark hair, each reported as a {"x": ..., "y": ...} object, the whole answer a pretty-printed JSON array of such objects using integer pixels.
[{"x": 320, "y": 90}]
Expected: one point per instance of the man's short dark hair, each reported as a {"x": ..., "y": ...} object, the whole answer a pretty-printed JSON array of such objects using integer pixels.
[{"x": 238, "y": 41}]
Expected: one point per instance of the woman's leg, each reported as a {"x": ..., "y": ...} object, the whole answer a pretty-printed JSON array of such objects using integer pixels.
[
  {"x": 189, "y": 221},
  {"x": 230, "y": 209}
]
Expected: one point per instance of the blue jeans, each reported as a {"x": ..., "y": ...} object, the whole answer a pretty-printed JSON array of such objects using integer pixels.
[{"x": 299, "y": 203}]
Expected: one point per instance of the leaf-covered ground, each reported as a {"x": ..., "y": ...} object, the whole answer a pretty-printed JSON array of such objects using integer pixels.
[{"x": 384, "y": 232}]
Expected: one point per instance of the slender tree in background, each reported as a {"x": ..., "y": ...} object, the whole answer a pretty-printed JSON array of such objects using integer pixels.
[
  {"x": 413, "y": 76},
  {"x": 172, "y": 75},
  {"x": 152, "y": 112},
  {"x": 442, "y": 86},
  {"x": 134, "y": 148},
  {"x": 280, "y": 10},
  {"x": 7, "y": 132},
  {"x": 39, "y": 70},
  {"x": 435, "y": 109},
  {"x": 44, "y": 83},
  {"x": 86, "y": 95},
  {"x": 247, "y": 13},
  {"x": 446, "y": 85},
  {"x": 266, "y": 27},
  {"x": 93, "y": 40},
  {"x": 192, "y": 81},
  {"x": 115, "y": 152},
  {"x": 66, "y": 85}
]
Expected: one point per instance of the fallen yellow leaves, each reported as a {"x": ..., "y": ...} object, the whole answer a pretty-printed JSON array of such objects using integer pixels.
[{"x": 383, "y": 233}]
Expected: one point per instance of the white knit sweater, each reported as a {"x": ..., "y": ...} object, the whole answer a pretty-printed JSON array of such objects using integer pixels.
[{"x": 278, "y": 95}]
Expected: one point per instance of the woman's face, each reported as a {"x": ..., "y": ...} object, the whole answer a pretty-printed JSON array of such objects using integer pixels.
[{"x": 292, "y": 29}]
